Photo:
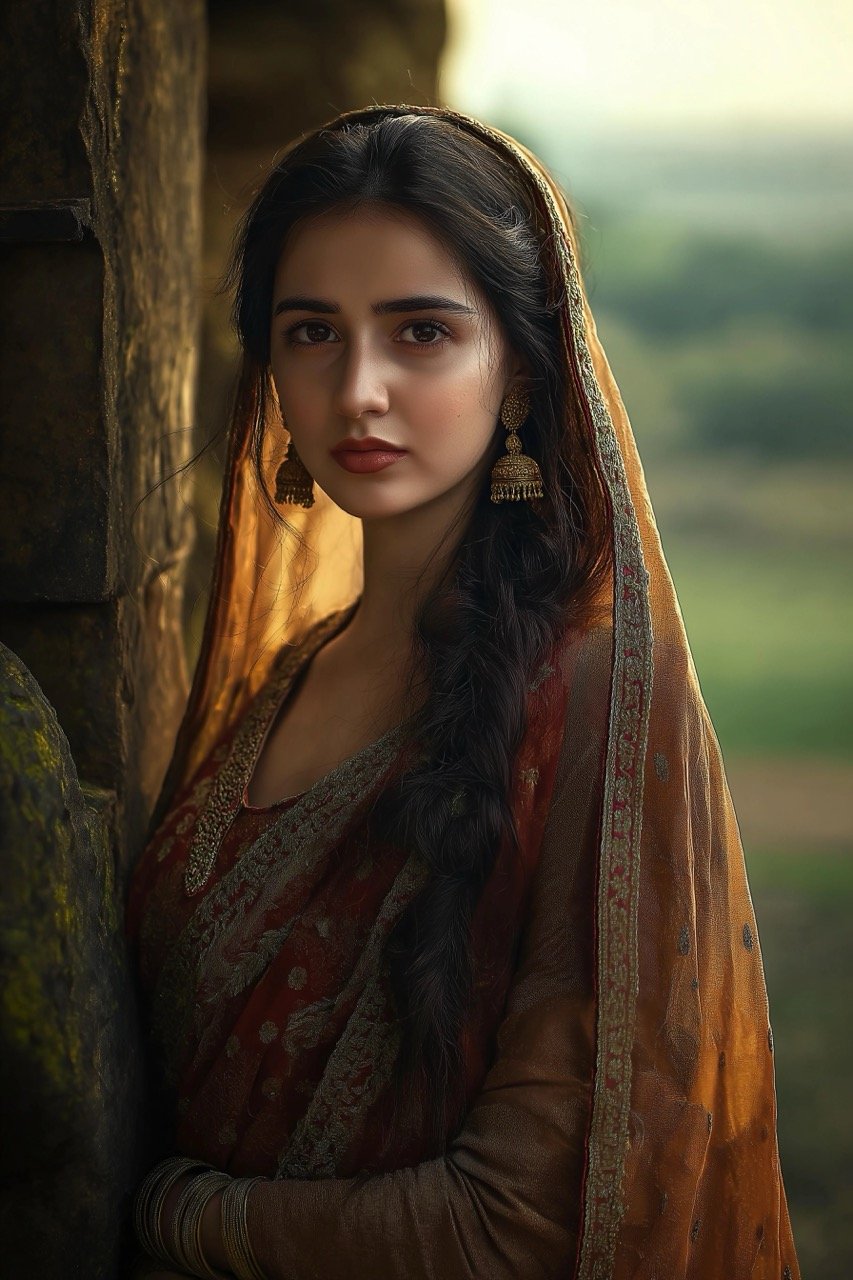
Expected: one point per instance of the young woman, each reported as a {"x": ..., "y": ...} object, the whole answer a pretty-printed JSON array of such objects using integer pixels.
[{"x": 445, "y": 937}]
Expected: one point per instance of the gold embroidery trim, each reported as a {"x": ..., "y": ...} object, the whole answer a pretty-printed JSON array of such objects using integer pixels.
[
  {"x": 306, "y": 831},
  {"x": 226, "y": 793},
  {"x": 619, "y": 851}
]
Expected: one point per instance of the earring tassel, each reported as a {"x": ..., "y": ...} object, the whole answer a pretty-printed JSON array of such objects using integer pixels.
[
  {"x": 293, "y": 482},
  {"x": 517, "y": 491},
  {"x": 515, "y": 477}
]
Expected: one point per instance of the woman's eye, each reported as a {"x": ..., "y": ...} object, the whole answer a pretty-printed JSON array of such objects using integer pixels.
[
  {"x": 315, "y": 333},
  {"x": 427, "y": 333}
]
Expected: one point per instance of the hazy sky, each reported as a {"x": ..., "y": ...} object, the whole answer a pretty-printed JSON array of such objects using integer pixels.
[{"x": 666, "y": 63}]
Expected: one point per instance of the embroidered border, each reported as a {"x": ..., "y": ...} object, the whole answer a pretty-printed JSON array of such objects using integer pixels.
[
  {"x": 300, "y": 837},
  {"x": 293, "y": 843},
  {"x": 361, "y": 1063},
  {"x": 224, "y": 799},
  {"x": 619, "y": 850}
]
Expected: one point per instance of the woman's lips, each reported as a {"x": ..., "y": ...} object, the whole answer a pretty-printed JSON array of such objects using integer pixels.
[{"x": 362, "y": 460}]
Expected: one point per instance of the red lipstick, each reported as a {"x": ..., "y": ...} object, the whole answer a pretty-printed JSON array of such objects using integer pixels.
[{"x": 367, "y": 454}]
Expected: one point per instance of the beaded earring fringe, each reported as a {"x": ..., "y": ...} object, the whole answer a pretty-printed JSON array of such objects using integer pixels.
[{"x": 516, "y": 478}]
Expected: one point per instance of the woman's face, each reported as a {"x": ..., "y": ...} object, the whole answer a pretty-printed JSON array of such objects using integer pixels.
[{"x": 378, "y": 338}]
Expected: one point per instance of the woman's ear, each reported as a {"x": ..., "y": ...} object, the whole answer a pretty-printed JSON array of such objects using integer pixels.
[{"x": 518, "y": 371}]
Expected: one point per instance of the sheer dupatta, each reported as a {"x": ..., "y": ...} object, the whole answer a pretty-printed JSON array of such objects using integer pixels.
[{"x": 680, "y": 1154}]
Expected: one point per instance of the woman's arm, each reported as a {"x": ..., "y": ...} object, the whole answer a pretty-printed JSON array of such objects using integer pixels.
[{"x": 503, "y": 1203}]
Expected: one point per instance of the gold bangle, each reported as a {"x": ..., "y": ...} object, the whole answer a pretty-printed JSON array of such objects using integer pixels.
[
  {"x": 188, "y": 1216},
  {"x": 150, "y": 1198},
  {"x": 235, "y": 1234}
]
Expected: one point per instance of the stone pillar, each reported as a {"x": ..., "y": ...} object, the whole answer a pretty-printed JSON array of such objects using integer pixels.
[
  {"x": 71, "y": 1072},
  {"x": 102, "y": 103},
  {"x": 100, "y": 228}
]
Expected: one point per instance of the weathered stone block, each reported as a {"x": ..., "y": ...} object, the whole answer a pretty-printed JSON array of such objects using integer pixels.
[
  {"x": 55, "y": 458},
  {"x": 71, "y": 1080},
  {"x": 115, "y": 673},
  {"x": 43, "y": 153},
  {"x": 98, "y": 369}
]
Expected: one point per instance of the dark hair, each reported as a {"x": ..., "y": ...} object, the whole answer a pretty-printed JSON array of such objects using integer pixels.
[{"x": 524, "y": 572}]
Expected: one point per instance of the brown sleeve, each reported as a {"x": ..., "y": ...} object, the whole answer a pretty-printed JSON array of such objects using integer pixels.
[{"x": 504, "y": 1202}]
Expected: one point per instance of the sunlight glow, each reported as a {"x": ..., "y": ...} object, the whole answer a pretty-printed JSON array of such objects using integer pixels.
[{"x": 721, "y": 64}]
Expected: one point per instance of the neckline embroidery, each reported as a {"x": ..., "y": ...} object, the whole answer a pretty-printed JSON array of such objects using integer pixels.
[{"x": 226, "y": 795}]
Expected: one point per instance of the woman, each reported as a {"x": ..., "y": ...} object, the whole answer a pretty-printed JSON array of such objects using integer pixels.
[{"x": 449, "y": 955}]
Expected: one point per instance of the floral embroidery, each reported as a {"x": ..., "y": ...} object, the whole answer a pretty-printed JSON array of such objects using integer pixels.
[
  {"x": 297, "y": 978},
  {"x": 361, "y": 1062},
  {"x": 307, "y": 831}
]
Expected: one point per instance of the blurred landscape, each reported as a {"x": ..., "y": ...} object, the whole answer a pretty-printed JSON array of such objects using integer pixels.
[{"x": 720, "y": 273}]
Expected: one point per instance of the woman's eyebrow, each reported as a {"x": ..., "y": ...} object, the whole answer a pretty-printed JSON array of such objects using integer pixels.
[{"x": 419, "y": 302}]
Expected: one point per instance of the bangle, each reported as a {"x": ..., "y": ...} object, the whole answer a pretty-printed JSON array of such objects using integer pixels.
[
  {"x": 149, "y": 1200},
  {"x": 187, "y": 1227},
  {"x": 235, "y": 1233}
]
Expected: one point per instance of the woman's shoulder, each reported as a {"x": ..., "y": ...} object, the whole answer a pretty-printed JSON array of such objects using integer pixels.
[{"x": 587, "y": 655}]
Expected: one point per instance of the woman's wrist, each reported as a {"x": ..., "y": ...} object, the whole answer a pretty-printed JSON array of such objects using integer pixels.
[
  {"x": 178, "y": 1219},
  {"x": 195, "y": 1218}
]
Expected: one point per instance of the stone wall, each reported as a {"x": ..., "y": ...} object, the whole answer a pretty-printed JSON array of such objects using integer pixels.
[
  {"x": 100, "y": 234},
  {"x": 103, "y": 104},
  {"x": 71, "y": 1071},
  {"x": 102, "y": 199}
]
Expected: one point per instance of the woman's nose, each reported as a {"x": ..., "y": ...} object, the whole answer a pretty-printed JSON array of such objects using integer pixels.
[{"x": 362, "y": 387}]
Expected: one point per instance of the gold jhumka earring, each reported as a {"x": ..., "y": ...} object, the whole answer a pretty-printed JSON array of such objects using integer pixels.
[
  {"x": 293, "y": 481},
  {"x": 515, "y": 476}
]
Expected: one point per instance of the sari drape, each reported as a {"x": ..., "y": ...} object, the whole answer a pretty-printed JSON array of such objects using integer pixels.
[
  {"x": 273, "y": 1023},
  {"x": 619, "y": 1058}
]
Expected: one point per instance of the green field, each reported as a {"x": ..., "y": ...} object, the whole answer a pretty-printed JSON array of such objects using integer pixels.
[
  {"x": 804, "y": 906},
  {"x": 770, "y": 631},
  {"x": 732, "y": 355}
]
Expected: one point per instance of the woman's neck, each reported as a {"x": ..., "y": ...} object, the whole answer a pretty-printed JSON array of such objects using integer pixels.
[{"x": 405, "y": 557}]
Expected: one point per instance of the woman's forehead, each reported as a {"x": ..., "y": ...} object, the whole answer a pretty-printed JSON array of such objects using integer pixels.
[{"x": 370, "y": 250}]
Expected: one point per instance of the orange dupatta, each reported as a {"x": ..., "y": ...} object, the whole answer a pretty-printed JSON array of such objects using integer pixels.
[{"x": 682, "y": 1174}]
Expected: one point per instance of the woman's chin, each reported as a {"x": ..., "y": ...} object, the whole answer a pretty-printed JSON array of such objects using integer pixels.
[
  {"x": 376, "y": 509},
  {"x": 376, "y": 502}
]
